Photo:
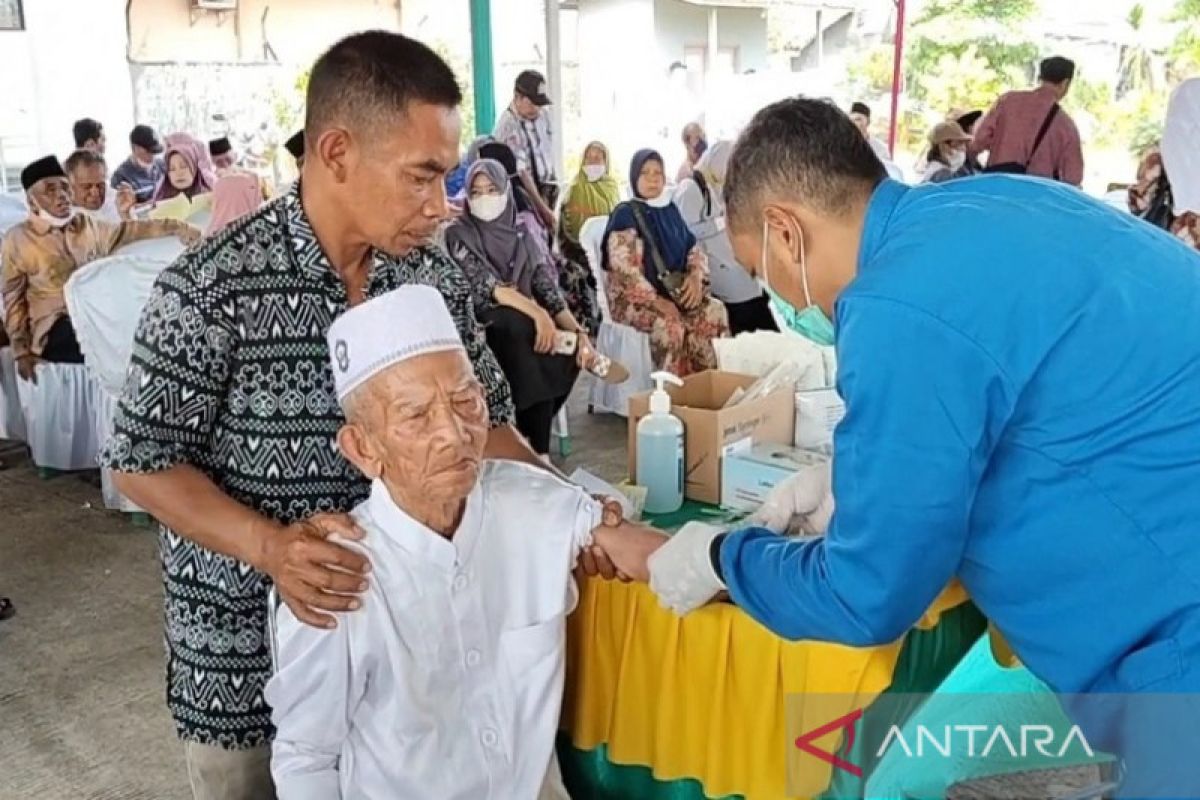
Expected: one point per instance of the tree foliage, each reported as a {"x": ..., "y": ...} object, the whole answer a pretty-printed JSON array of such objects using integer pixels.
[
  {"x": 1002, "y": 11},
  {"x": 962, "y": 55},
  {"x": 1185, "y": 51}
]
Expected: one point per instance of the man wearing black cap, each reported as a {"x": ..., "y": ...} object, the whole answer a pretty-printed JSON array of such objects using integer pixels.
[
  {"x": 525, "y": 128},
  {"x": 41, "y": 253},
  {"x": 222, "y": 153},
  {"x": 142, "y": 170}
]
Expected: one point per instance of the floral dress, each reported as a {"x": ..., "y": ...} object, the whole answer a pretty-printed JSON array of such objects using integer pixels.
[{"x": 680, "y": 341}]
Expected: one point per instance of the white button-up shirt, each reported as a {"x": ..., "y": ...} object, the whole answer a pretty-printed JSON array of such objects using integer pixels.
[{"x": 448, "y": 682}]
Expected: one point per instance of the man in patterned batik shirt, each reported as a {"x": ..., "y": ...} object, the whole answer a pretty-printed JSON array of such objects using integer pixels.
[{"x": 226, "y": 429}]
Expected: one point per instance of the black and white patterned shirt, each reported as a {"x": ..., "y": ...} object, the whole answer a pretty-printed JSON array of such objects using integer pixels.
[{"x": 230, "y": 373}]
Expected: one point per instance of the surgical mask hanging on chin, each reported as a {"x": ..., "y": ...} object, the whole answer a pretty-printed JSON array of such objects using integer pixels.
[
  {"x": 488, "y": 207},
  {"x": 594, "y": 172},
  {"x": 957, "y": 160},
  {"x": 662, "y": 201},
  {"x": 810, "y": 322},
  {"x": 50, "y": 219}
]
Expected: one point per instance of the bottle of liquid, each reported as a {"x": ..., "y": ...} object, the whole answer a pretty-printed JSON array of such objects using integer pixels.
[{"x": 660, "y": 462}]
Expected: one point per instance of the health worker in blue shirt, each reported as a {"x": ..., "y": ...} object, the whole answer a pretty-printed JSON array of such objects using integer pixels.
[{"x": 1021, "y": 371}]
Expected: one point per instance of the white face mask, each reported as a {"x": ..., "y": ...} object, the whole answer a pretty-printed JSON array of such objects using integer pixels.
[
  {"x": 957, "y": 159},
  {"x": 50, "y": 219},
  {"x": 594, "y": 172},
  {"x": 810, "y": 321},
  {"x": 662, "y": 201},
  {"x": 488, "y": 207}
]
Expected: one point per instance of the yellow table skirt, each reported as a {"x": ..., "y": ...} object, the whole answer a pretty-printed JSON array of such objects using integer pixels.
[{"x": 702, "y": 697}]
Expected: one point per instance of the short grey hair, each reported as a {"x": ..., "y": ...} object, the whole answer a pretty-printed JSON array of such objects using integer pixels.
[
  {"x": 803, "y": 150},
  {"x": 83, "y": 158}
]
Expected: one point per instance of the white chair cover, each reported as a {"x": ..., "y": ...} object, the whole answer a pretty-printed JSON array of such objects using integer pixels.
[
  {"x": 12, "y": 421},
  {"x": 627, "y": 345},
  {"x": 591, "y": 236},
  {"x": 60, "y": 417},
  {"x": 105, "y": 299},
  {"x": 106, "y": 406},
  {"x": 632, "y": 348},
  {"x": 12, "y": 211}
]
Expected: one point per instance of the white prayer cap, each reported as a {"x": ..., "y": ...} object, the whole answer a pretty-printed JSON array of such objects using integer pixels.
[{"x": 402, "y": 324}]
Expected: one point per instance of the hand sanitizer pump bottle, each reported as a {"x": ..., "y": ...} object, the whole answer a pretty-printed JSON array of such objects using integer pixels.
[{"x": 660, "y": 458}]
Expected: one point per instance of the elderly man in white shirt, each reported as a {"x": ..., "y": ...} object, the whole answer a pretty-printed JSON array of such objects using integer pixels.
[{"x": 447, "y": 683}]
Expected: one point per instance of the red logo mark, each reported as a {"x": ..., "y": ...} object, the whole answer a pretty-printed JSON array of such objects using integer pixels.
[{"x": 805, "y": 742}]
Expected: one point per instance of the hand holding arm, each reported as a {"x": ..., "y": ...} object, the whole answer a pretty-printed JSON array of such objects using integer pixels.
[{"x": 629, "y": 546}]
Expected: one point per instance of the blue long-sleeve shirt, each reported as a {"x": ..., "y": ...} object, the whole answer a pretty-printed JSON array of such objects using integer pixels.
[{"x": 1021, "y": 371}]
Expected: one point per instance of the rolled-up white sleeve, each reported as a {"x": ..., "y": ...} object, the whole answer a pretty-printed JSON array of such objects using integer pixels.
[{"x": 312, "y": 695}]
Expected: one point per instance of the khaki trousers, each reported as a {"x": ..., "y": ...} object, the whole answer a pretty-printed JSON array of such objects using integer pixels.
[{"x": 219, "y": 774}]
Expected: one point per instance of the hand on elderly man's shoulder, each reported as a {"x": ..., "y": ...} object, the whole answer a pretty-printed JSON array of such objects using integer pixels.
[{"x": 312, "y": 574}]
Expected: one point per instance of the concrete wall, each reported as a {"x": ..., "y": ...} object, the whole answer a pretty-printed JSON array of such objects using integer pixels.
[
  {"x": 680, "y": 25},
  {"x": 69, "y": 62},
  {"x": 295, "y": 30},
  {"x": 627, "y": 97},
  {"x": 620, "y": 80},
  {"x": 179, "y": 68}
]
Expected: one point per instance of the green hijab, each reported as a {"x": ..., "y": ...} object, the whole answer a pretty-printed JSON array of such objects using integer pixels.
[{"x": 588, "y": 199}]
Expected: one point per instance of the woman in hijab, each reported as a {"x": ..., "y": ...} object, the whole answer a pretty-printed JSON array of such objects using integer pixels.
[
  {"x": 527, "y": 211},
  {"x": 1167, "y": 192},
  {"x": 699, "y": 200},
  {"x": 456, "y": 180},
  {"x": 518, "y": 301},
  {"x": 236, "y": 195},
  {"x": 658, "y": 274},
  {"x": 189, "y": 169},
  {"x": 594, "y": 193},
  {"x": 573, "y": 274}
]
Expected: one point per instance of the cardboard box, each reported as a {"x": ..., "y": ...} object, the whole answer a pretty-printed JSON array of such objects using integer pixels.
[
  {"x": 818, "y": 413},
  {"x": 709, "y": 429},
  {"x": 750, "y": 473}
]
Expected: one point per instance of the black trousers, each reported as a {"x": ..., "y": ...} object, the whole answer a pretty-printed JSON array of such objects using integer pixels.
[
  {"x": 752, "y": 315},
  {"x": 535, "y": 423},
  {"x": 540, "y": 383},
  {"x": 61, "y": 345}
]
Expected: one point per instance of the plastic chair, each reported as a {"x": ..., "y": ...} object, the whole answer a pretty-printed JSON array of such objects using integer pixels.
[
  {"x": 621, "y": 342},
  {"x": 561, "y": 430}
]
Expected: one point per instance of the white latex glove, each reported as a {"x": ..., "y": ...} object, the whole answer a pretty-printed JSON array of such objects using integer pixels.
[
  {"x": 681, "y": 571},
  {"x": 802, "y": 504}
]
